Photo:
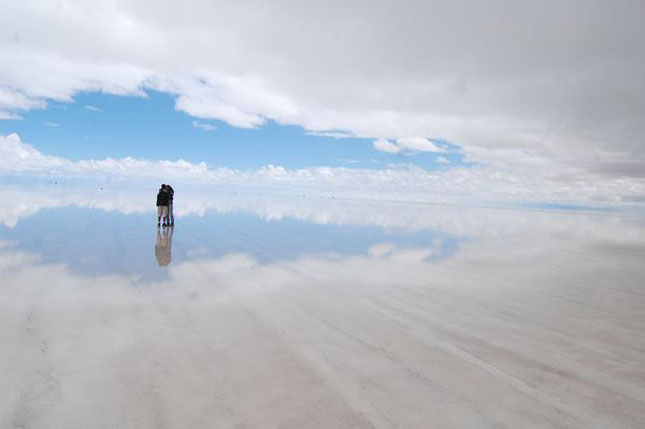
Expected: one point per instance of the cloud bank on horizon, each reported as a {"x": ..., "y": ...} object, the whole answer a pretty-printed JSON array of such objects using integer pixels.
[
  {"x": 548, "y": 97},
  {"x": 472, "y": 185}
]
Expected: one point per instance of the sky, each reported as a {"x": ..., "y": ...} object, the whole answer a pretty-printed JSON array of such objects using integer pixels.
[
  {"x": 497, "y": 100},
  {"x": 97, "y": 126}
]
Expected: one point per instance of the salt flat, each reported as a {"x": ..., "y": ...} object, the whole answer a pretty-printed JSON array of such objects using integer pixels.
[{"x": 260, "y": 311}]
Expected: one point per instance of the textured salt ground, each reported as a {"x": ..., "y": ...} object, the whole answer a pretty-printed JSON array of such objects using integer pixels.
[{"x": 540, "y": 329}]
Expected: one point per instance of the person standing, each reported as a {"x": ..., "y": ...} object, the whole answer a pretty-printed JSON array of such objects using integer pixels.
[
  {"x": 171, "y": 217},
  {"x": 162, "y": 205}
]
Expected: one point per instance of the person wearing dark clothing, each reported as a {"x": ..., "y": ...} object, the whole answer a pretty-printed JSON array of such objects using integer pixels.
[
  {"x": 170, "y": 218},
  {"x": 163, "y": 199}
]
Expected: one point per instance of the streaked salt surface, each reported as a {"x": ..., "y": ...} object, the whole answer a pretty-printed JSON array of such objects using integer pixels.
[{"x": 306, "y": 312}]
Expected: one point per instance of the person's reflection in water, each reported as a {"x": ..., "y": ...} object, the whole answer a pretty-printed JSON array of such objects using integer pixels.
[{"x": 163, "y": 246}]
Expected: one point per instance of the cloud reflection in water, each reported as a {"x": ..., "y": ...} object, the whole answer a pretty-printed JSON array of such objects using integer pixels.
[{"x": 532, "y": 319}]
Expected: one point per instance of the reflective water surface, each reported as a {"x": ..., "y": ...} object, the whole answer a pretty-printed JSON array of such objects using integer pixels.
[{"x": 300, "y": 311}]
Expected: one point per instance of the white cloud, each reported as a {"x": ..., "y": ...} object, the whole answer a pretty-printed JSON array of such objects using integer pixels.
[
  {"x": 482, "y": 184},
  {"x": 18, "y": 158},
  {"x": 51, "y": 124},
  {"x": 203, "y": 126},
  {"x": 92, "y": 108},
  {"x": 385, "y": 145},
  {"x": 418, "y": 144},
  {"x": 11, "y": 100},
  {"x": 556, "y": 81},
  {"x": 272, "y": 204},
  {"x": 410, "y": 145},
  {"x": 332, "y": 134},
  {"x": 442, "y": 160},
  {"x": 10, "y": 115}
]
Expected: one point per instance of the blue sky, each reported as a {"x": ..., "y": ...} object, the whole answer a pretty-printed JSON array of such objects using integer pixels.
[{"x": 97, "y": 126}]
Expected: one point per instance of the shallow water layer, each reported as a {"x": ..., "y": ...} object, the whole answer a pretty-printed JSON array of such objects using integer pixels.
[{"x": 293, "y": 311}]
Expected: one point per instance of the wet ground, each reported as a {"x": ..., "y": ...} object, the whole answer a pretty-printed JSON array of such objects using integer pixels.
[{"x": 299, "y": 311}]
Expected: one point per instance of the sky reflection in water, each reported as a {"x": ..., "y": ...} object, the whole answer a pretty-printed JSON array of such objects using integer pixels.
[
  {"x": 93, "y": 231},
  {"x": 93, "y": 242},
  {"x": 357, "y": 312}
]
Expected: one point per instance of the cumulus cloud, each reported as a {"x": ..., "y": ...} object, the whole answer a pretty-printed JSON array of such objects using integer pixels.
[
  {"x": 511, "y": 83},
  {"x": 19, "y": 159},
  {"x": 384, "y": 145},
  {"x": 479, "y": 184}
]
